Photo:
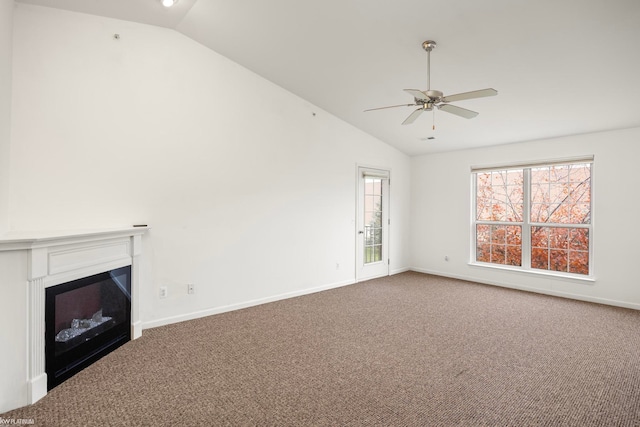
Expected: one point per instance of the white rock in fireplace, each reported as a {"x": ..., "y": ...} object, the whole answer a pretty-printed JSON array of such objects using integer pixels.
[{"x": 29, "y": 263}]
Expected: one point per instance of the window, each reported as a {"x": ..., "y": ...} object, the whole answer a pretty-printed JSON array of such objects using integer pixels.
[
  {"x": 534, "y": 217},
  {"x": 372, "y": 219}
]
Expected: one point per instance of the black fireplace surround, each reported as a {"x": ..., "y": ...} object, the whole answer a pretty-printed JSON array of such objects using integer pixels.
[{"x": 84, "y": 320}]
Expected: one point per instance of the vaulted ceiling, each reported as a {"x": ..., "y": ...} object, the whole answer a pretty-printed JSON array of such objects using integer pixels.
[{"x": 560, "y": 67}]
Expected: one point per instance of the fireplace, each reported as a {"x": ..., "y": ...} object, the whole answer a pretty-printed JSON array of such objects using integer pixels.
[
  {"x": 48, "y": 260},
  {"x": 85, "y": 319}
]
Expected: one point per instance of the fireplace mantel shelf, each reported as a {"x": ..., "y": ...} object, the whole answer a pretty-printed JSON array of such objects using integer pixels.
[{"x": 23, "y": 240}]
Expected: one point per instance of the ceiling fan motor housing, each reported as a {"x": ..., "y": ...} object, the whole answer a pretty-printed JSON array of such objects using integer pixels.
[{"x": 435, "y": 95}]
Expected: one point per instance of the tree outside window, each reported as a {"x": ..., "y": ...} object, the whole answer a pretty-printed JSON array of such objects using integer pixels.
[{"x": 535, "y": 218}]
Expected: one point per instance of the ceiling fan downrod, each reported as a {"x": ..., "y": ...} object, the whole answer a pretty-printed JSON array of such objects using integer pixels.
[{"x": 429, "y": 45}]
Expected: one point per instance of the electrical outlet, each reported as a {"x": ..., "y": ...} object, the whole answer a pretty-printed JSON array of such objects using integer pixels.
[
  {"x": 163, "y": 292},
  {"x": 446, "y": 257},
  {"x": 191, "y": 289}
]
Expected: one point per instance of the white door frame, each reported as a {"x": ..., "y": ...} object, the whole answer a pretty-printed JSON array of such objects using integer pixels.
[{"x": 366, "y": 271}]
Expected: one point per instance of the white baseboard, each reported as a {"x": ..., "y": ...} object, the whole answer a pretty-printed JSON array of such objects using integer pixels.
[
  {"x": 389, "y": 273},
  {"x": 399, "y": 270},
  {"x": 37, "y": 388},
  {"x": 217, "y": 310},
  {"x": 136, "y": 330},
  {"x": 568, "y": 295}
]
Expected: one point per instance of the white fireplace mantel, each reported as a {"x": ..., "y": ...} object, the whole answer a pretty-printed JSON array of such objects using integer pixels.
[{"x": 54, "y": 258}]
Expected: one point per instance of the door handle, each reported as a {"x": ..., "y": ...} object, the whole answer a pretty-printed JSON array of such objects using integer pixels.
[{"x": 360, "y": 232}]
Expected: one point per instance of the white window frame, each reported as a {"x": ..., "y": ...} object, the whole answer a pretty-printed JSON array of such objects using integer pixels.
[{"x": 526, "y": 223}]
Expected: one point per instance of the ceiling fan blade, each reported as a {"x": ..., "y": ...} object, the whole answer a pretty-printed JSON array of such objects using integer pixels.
[
  {"x": 417, "y": 94},
  {"x": 413, "y": 116},
  {"x": 462, "y": 112},
  {"x": 390, "y": 106},
  {"x": 470, "y": 95}
]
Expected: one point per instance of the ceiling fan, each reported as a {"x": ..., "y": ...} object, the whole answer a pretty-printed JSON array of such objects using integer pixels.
[{"x": 428, "y": 99}]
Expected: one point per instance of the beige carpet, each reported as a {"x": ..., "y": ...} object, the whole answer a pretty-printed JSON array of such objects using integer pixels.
[{"x": 407, "y": 350}]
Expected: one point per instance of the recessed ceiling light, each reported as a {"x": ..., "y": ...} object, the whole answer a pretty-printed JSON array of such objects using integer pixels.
[{"x": 168, "y": 3}]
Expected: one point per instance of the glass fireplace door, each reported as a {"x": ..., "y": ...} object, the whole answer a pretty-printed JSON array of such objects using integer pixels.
[{"x": 85, "y": 320}]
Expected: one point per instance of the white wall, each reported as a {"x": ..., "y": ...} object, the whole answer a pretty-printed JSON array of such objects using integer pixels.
[
  {"x": 6, "y": 37},
  {"x": 250, "y": 195},
  {"x": 13, "y": 293},
  {"x": 441, "y": 201}
]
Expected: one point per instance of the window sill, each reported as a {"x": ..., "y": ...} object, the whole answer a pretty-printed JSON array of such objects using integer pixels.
[{"x": 552, "y": 274}]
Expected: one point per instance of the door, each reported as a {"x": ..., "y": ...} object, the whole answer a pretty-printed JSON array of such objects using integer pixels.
[{"x": 372, "y": 240}]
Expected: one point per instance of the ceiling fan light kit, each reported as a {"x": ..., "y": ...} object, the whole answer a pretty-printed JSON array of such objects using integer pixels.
[{"x": 428, "y": 99}]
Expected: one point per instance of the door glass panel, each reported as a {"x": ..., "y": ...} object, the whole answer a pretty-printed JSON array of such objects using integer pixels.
[
  {"x": 377, "y": 237},
  {"x": 373, "y": 220}
]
